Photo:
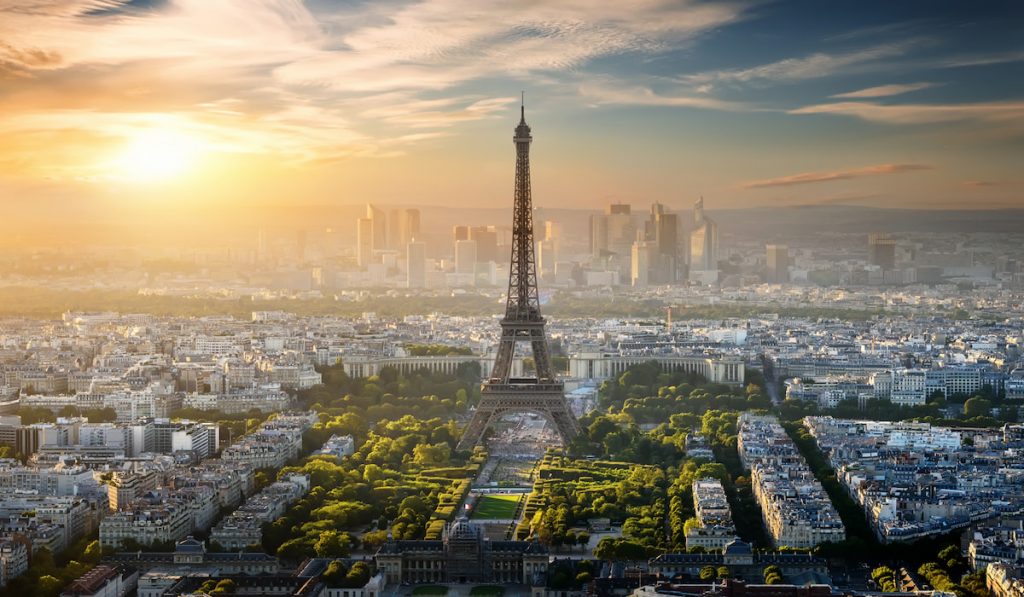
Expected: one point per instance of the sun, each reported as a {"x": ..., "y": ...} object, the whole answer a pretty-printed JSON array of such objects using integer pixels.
[{"x": 157, "y": 155}]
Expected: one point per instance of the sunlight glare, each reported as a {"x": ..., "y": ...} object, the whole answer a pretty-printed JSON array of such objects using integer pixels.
[{"x": 157, "y": 155}]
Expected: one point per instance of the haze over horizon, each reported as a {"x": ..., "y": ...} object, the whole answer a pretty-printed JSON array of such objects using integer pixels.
[{"x": 165, "y": 103}]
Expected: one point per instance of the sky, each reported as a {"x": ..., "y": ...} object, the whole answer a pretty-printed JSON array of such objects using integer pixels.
[{"x": 749, "y": 104}]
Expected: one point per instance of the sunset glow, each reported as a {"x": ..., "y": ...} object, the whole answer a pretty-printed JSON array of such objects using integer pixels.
[
  {"x": 155, "y": 156},
  {"x": 752, "y": 104}
]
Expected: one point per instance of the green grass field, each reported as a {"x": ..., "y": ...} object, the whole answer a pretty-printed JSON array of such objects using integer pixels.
[
  {"x": 431, "y": 590},
  {"x": 500, "y": 506}
]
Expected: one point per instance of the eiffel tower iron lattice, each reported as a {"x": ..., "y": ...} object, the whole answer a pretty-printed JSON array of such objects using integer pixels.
[{"x": 501, "y": 393}]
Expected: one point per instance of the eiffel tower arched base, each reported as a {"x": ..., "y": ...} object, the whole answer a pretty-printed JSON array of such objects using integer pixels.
[{"x": 497, "y": 400}]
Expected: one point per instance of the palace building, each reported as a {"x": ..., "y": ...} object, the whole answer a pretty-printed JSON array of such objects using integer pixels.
[{"x": 462, "y": 555}]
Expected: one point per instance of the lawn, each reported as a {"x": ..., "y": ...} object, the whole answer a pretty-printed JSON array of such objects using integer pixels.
[
  {"x": 500, "y": 506},
  {"x": 487, "y": 591},
  {"x": 431, "y": 590}
]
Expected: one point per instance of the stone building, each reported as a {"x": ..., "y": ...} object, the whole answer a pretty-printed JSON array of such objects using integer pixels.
[
  {"x": 462, "y": 555},
  {"x": 743, "y": 563}
]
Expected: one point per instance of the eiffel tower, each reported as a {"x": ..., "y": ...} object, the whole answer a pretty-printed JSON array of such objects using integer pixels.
[{"x": 501, "y": 393}]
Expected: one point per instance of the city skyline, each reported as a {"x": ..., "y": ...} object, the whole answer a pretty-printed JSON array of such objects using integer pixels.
[{"x": 164, "y": 103}]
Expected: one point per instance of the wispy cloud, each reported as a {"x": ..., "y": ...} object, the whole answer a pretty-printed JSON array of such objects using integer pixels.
[
  {"x": 440, "y": 43},
  {"x": 1005, "y": 113},
  {"x": 884, "y": 90},
  {"x": 819, "y": 64},
  {"x": 305, "y": 81},
  {"x": 813, "y": 177},
  {"x": 608, "y": 94},
  {"x": 984, "y": 59}
]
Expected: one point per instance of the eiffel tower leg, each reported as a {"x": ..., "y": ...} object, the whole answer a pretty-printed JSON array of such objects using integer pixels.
[
  {"x": 564, "y": 422},
  {"x": 473, "y": 435}
]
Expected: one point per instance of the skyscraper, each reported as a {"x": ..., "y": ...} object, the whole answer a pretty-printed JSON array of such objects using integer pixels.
[
  {"x": 459, "y": 232},
  {"x": 644, "y": 254},
  {"x": 703, "y": 240},
  {"x": 465, "y": 256},
  {"x": 882, "y": 251},
  {"x": 621, "y": 229},
  {"x": 379, "y": 227},
  {"x": 776, "y": 264},
  {"x": 486, "y": 239},
  {"x": 416, "y": 265},
  {"x": 666, "y": 236},
  {"x": 394, "y": 228},
  {"x": 364, "y": 241},
  {"x": 598, "y": 235},
  {"x": 410, "y": 226}
]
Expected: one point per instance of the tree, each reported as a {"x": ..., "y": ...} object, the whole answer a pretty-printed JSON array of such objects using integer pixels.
[
  {"x": 707, "y": 573},
  {"x": 885, "y": 577},
  {"x": 601, "y": 427},
  {"x": 374, "y": 539},
  {"x": 358, "y": 575},
  {"x": 583, "y": 539},
  {"x": 335, "y": 574},
  {"x": 295, "y": 549},
  {"x": 224, "y": 587},
  {"x": 332, "y": 544},
  {"x": 432, "y": 454},
  {"x": 723, "y": 572},
  {"x": 977, "y": 407},
  {"x": 49, "y": 586},
  {"x": 93, "y": 552}
]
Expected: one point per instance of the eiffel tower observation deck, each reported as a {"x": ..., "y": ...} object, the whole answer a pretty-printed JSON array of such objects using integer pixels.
[{"x": 522, "y": 325}]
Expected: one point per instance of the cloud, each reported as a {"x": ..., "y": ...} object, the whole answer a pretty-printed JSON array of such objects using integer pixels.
[
  {"x": 813, "y": 66},
  {"x": 884, "y": 90},
  {"x": 984, "y": 59},
  {"x": 813, "y": 177},
  {"x": 610, "y": 94},
  {"x": 303, "y": 80},
  {"x": 1004, "y": 113},
  {"x": 440, "y": 43},
  {"x": 983, "y": 183}
]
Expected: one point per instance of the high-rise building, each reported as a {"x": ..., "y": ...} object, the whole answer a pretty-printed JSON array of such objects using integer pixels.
[
  {"x": 465, "y": 256},
  {"x": 394, "y": 228},
  {"x": 416, "y": 265},
  {"x": 621, "y": 229},
  {"x": 486, "y": 239},
  {"x": 598, "y": 235},
  {"x": 409, "y": 230},
  {"x": 882, "y": 251},
  {"x": 459, "y": 232},
  {"x": 364, "y": 241},
  {"x": 666, "y": 236},
  {"x": 650, "y": 226},
  {"x": 612, "y": 232},
  {"x": 379, "y": 238},
  {"x": 644, "y": 254},
  {"x": 776, "y": 264},
  {"x": 703, "y": 240}
]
